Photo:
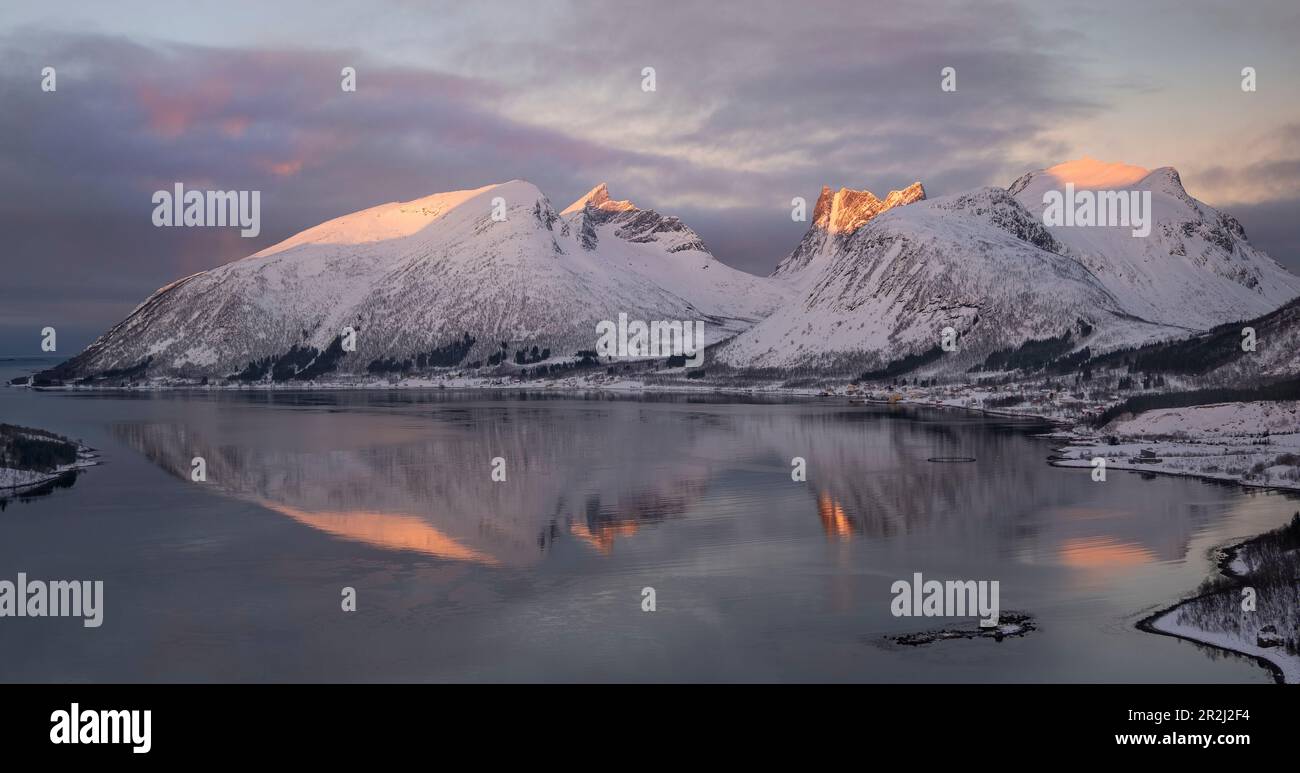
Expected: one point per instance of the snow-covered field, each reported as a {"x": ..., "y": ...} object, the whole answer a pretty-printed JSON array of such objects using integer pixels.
[{"x": 1255, "y": 443}]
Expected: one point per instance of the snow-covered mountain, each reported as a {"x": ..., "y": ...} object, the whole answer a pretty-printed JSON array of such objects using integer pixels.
[
  {"x": 871, "y": 287},
  {"x": 1194, "y": 270},
  {"x": 434, "y": 280},
  {"x": 977, "y": 262},
  {"x": 877, "y": 281},
  {"x": 836, "y": 217}
]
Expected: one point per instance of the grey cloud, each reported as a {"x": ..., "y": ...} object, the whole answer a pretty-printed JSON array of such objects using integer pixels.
[{"x": 838, "y": 93}]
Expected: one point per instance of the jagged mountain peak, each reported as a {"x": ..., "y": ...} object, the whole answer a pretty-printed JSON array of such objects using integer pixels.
[
  {"x": 1166, "y": 179},
  {"x": 840, "y": 214},
  {"x": 596, "y": 213},
  {"x": 598, "y": 198},
  {"x": 847, "y": 210}
]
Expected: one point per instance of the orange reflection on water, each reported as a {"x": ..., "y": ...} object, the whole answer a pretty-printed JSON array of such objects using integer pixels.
[
  {"x": 602, "y": 536},
  {"x": 835, "y": 522},
  {"x": 1103, "y": 553},
  {"x": 386, "y": 530}
]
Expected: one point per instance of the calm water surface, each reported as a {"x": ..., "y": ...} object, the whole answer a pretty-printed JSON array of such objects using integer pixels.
[{"x": 539, "y": 578}]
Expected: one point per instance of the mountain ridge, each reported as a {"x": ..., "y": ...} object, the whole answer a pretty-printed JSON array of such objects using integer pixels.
[
  {"x": 443, "y": 281},
  {"x": 423, "y": 277}
]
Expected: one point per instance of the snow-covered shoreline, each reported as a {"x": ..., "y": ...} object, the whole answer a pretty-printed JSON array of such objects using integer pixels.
[
  {"x": 16, "y": 481},
  {"x": 1253, "y": 444},
  {"x": 1237, "y": 570},
  {"x": 19, "y": 481}
]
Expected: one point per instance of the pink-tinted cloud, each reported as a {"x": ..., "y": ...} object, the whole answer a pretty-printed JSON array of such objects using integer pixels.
[{"x": 170, "y": 113}]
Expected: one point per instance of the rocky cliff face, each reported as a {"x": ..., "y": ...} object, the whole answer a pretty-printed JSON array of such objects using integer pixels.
[{"x": 836, "y": 216}]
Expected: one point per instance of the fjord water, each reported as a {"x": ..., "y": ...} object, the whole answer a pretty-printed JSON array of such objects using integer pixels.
[{"x": 540, "y": 578}]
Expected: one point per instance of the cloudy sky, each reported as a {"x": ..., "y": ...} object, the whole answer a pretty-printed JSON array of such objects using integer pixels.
[{"x": 756, "y": 102}]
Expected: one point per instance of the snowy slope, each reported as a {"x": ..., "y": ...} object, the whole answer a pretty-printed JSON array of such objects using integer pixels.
[
  {"x": 1217, "y": 356},
  {"x": 415, "y": 276},
  {"x": 1276, "y": 354},
  {"x": 1195, "y": 269},
  {"x": 978, "y": 262}
]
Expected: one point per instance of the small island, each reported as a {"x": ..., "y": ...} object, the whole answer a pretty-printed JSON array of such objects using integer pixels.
[{"x": 32, "y": 458}]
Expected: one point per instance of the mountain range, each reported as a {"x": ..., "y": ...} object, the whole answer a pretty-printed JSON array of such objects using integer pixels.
[
  {"x": 495, "y": 277},
  {"x": 440, "y": 280}
]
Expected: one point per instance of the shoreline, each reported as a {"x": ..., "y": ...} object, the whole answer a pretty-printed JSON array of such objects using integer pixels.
[
  {"x": 1227, "y": 556},
  {"x": 1275, "y": 662},
  {"x": 15, "y": 482},
  {"x": 84, "y": 462},
  {"x": 1065, "y": 462},
  {"x": 623, "y": 386}
]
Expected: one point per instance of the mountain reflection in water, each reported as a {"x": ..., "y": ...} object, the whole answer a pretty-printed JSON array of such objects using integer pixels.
[{"x": 425, "y": 485}]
